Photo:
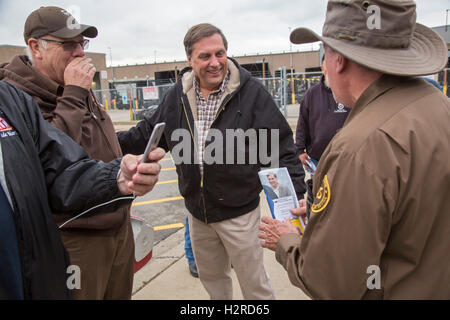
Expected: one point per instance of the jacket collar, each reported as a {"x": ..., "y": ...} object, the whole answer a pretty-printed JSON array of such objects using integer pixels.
[
  {"x": 187, "y": 78},
  {"x": 375, "y": 90},
  {"x": 237, "y": 74}
]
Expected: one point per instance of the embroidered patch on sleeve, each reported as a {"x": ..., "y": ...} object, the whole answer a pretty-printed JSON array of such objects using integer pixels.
[
  {"x": 5, "y": 129},
  {"x": 323, "y": 196}
]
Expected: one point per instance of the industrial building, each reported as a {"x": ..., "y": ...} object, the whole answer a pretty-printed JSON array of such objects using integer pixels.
[
  {"x": 123, "y": 84},
  {"x": 261, "y": 65}
]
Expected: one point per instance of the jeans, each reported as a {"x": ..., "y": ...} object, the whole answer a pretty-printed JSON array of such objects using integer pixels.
[{"x": 187, "y": 244}]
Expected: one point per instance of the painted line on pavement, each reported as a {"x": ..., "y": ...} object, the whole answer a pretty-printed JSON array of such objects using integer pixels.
[
  {"x": 168, "y": 181},
  {"x": 169, "y": 226},
  {"x": 156, "y": 201}
]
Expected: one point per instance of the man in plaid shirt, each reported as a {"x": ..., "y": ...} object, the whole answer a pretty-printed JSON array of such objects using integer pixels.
[
  {"x": 207, "y": 109},
  {"x": 213, "y": 97}
]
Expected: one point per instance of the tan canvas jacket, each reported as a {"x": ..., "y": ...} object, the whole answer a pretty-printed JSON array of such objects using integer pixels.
[{"x": 382, "y": 201}]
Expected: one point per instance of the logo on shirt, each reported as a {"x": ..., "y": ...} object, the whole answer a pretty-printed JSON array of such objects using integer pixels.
[
  {"x": 5, "y": 129},
  {"x": 340, "y": 109},
  {"x": 322, "y": 197}
]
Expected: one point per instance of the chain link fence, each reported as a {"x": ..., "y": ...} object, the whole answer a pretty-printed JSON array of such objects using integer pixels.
[
  {"x": 285, "y": 90},
  {"x": 288, "y": 89}
]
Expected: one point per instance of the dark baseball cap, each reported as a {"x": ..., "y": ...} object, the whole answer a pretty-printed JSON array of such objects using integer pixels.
[{"x": 56, "y": 22}]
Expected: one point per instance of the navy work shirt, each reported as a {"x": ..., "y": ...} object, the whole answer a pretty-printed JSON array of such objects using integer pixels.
[{"x": 319, "y": 120}]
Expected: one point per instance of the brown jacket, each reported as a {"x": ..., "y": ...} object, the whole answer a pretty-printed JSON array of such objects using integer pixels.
[
  {"x": 382, "y": 199},
  {"x": 75, "y": 111}
]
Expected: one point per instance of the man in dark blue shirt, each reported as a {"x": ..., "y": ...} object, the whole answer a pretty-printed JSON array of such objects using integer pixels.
[{"x": 319, "y": 120}]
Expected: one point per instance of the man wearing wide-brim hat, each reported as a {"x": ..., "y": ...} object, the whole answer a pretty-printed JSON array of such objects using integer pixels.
[{"x": 381, "y": 214}]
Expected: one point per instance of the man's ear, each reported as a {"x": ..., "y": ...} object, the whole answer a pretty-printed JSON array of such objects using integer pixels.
[
  {"x": 35, "y": 49},
  {"x": 341, "y": 63}
]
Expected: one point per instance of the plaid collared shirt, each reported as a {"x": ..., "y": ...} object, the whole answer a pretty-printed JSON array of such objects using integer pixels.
[{"x": 206, "y": 112}]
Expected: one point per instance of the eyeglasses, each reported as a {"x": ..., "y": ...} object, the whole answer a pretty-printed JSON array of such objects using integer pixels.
[{"x": 70, "y": 45}]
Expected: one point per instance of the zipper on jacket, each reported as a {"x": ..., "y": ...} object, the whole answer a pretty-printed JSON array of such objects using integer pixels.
[
  {"x": 201, "y": 176},
  {"x": 89, "y": 105},
  {"x": 222, "y": 108}
]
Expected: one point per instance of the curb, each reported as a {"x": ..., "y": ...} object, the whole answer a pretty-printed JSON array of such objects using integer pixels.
[{"x": 165, "y": 253}]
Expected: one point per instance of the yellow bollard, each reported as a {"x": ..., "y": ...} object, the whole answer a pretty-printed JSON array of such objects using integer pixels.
[
  {"x": 444, "y": 87},
  {"x": 106, "y": 105},
  {"x": 293, "y": 90},
  {"x": 131, "y": 111}
]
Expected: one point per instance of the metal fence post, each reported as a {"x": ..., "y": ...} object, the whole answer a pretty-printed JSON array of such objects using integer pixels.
[{"x": 284, "y": 83}]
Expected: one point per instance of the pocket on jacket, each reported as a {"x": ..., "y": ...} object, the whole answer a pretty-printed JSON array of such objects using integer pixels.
[{"x": 233, "y": 185}]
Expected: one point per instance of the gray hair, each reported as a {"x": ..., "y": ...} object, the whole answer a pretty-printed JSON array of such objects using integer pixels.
[
  {"x": 198, "y": 32},
  {"x": 29, "y": 55}
]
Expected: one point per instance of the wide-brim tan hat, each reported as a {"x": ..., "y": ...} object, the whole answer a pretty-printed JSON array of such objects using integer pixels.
[{"x": 400, "y": 46}]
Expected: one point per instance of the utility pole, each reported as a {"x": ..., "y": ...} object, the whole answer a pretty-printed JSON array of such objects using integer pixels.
[
  {"x": 264, "y": 69},
  {"x": 446, "y": 20},
  {"x": 112, "y": 68},
  {"x": 292, "y": 68}
]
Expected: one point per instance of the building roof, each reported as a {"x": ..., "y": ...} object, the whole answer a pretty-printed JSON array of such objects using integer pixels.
[{"x": 444, "y": 32}]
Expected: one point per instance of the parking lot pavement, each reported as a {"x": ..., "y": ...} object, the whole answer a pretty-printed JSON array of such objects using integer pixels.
[
  {"x": 163, "y": 208},
  {"x": 167, "y": 277}
]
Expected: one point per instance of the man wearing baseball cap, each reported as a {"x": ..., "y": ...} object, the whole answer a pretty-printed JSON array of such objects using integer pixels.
[
  {"x": 380, "y": 220},
  {"x": 58, "y": 75}
]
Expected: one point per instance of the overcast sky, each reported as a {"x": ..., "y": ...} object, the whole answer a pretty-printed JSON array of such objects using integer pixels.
[{"x": 138, "y": 30}]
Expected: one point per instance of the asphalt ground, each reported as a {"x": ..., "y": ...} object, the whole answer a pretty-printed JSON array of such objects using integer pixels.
[{"x": 162, "y": 208}]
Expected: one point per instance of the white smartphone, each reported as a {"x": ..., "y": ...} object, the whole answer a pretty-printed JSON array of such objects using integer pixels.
[{"x": 153, "y": 142}]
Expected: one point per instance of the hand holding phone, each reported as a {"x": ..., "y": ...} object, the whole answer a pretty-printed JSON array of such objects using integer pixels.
[
  {"x": 153, "y": 142},
  {"x": 310, "y": 167}
]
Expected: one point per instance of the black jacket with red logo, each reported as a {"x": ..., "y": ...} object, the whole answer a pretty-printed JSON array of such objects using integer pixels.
[{"x": 42, "y": 171}]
